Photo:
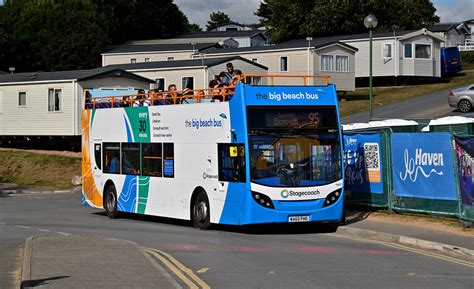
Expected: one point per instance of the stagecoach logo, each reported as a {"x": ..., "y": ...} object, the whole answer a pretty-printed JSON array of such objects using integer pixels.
[
  {"x": 414, "y": 166},
  {"x": 285, "y": 193},
  {"x": 206, "y": 176}
]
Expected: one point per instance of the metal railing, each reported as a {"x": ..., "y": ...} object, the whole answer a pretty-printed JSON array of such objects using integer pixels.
[{"x": 216, "y": 94}]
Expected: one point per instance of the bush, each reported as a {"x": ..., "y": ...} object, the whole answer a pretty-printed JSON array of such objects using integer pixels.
[{"x": 467, "y": 57}]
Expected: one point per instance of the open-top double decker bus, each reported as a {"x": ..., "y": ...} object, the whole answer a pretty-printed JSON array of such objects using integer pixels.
[{"x": 265, "y": 154}]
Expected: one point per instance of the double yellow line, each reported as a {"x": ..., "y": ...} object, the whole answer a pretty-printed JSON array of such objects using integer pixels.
[
  {"x": 410, "y": 249},
  {"x": 182, "y": 272}
]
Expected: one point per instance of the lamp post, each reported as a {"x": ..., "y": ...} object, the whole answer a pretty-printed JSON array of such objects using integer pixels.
[
  {"x": 370, "y": 22},
  {"x": 309, "y": 39}
]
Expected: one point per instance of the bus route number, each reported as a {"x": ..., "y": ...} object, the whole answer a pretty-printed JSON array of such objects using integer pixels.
[{"x": 142, "y": 125}]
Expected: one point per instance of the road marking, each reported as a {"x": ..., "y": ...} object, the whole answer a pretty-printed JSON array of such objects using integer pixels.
[
  {"x": 411, "y": 274},
  {"x": 202, "y": 270},
  {"x": 23, "y": 227},
  {"x": 43, "y": 230},
  {"x": 65, "y": 234},
  {"x": 3, "y": 223},
  {"x": 183, "y": 268},
  {"x": 410, "y": 249},
  {"x": 314, "y": 249},
  {"x": 173, "y": 268}
]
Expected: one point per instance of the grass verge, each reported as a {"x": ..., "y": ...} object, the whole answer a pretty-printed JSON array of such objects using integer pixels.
[
  {"x": 359, "y": 100},
  {"x": 39, "y": 170}
]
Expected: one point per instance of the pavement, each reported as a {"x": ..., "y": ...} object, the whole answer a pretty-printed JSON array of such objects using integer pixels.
[
  {"x": 89, "y": 262},
  {"x": 10, "y": 188},
  {"x": 82, "y": 258}
]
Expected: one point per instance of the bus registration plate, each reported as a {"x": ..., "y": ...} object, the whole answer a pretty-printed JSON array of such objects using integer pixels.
[{"x": 295, "y": 219}]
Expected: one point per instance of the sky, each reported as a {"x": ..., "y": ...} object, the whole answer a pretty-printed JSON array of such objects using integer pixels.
[{"x": 242, "y": 11}]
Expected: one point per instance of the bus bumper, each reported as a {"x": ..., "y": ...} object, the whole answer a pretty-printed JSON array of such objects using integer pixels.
[{"x": 253, "y": 213}]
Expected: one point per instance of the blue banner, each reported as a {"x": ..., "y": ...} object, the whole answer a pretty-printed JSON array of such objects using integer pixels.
[
  {"x": 465, "y": 156},
  {"x": 363, "y": 163},
  {"x": 423, "y": 166}
]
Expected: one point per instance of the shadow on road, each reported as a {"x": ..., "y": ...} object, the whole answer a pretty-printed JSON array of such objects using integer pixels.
[
  {"x": 260, "y": 229},
  {"x": 40, "y": 282}
]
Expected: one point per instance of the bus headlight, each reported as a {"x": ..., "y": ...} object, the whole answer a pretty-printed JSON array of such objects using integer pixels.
[
  {"x": 263, "y": 200},
  {"x": 332, "y": 198}
]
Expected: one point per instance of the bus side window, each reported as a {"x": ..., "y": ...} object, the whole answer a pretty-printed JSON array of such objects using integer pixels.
[
  {"x": 152, "y": 159},
  {"x": 168, "y": 160},
  {"x": 131, "y": 158},
  {"x": 98, "y": 155},
  {"x": 231, "y": 162},
  {"x": 112, "y": 158}
]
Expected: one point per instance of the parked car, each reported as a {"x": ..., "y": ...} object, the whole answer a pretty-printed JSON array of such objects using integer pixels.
[
  {"x": 450, "y": 60},
  {"x": 462, "y": 98}
]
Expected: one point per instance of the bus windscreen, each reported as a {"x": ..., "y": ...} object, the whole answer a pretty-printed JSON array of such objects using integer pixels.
[{"x": 294, "y": 147}]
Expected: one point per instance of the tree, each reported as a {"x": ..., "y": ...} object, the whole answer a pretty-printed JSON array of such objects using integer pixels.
[
  {"x": 193, "y": 28},
  {"x": 70, "y": 34},
  {"x": 288, "y": 19},
  {"x": 53, "y": 36},
  {"x": 216, "y": 19}
]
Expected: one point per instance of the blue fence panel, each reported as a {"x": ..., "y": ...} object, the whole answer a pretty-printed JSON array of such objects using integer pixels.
[{"x": 423, "y": 172}]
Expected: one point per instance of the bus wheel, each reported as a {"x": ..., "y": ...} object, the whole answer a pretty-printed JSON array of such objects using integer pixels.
[
  {"x": 201, "y": 212},
  {"x": 110, "y": 202}
]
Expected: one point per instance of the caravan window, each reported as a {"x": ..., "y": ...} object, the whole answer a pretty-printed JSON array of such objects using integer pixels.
[{"x": 423, "y": 51}]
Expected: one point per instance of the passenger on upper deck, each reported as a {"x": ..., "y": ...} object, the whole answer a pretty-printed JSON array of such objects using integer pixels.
[
  {"x": 169, "y": 97},
  {"x": 141, "y": 99},
  {"x": 229, "y": 74}
]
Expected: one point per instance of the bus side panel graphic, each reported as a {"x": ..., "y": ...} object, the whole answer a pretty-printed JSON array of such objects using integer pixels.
[{"x": 91, "y": 195}]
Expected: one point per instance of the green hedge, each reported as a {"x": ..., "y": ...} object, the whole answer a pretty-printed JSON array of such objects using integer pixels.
[{"x": 467, "y": 57}]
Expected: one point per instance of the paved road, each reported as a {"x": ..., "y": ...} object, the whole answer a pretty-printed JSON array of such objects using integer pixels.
[
  {"x": 431, "y": 105},
  {"x": 278, "y": 257}
]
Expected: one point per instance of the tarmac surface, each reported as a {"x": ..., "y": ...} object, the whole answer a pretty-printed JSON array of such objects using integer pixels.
[{"x": 73, "y": 245}]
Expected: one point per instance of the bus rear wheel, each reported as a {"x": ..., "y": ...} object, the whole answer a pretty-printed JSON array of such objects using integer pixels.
[
  {"x": 110, "y": 202},
  {"x": 200, "y": 213}
]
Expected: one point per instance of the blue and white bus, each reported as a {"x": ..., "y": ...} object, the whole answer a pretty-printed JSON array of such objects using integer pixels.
[{"x": 270, "y": 154}]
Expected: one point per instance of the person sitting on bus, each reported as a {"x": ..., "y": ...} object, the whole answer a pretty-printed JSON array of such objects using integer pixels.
[
  {"x": 158, "y": 98},
  {"x": 220, "y": 91},
  {"x": 141, "y": 99},
  {"x": 114, "y": 166},
  {"x": 221, "y": 78},
  {"x": 169, "y": 97},
  {"x": 186, "y": 96}
]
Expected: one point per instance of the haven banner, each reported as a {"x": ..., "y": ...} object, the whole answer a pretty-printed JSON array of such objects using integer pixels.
[
  {"x": 363, "y": 163},
  {"x": 422, "y": 166},
  {"x": 465, "y": 157}
]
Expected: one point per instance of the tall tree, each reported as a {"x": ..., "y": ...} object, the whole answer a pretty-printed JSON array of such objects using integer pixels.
[
  {"x": 288, "y": 19},
  {"x": 69, "y": 34},
  {"x": 216, "y": 18},
  {"x": 53, "y": 36}
]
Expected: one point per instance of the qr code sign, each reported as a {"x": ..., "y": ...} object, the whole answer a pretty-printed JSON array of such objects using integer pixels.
[{"x": 371, "y": 156}]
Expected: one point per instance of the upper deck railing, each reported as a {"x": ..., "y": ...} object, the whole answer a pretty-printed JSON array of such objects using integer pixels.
[{"x": 216, "y": 94}]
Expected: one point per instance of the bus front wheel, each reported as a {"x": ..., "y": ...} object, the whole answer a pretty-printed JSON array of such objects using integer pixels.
[
  {"x": 110, "y": 202},
  {"x": 201, "y": 213}
]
